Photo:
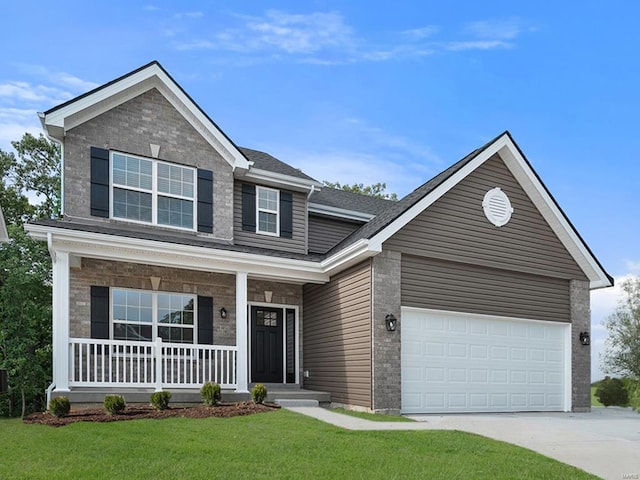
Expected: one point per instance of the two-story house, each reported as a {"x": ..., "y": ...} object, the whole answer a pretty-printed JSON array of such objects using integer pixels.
[{"x": 182, "y": 258}]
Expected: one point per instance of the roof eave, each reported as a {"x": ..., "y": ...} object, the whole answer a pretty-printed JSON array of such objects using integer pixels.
[{"x": 58, "y": 120}]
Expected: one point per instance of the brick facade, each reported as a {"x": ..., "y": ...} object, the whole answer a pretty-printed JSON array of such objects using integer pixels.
[
  {"x": 386, "y": 345},
  {"x": 131, "y": 128},
  {"x": 221, "y": 287},
  {"x": 580, "y": 354}
]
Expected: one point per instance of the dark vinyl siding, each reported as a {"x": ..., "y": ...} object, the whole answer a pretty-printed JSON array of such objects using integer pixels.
[
  {"x": 455, "y": 228},
  {"x": 326, "y": 232},
  {"x": 296, "y": 244},
  {"x": 442, "y": 285},
  {"x": 337, "y": 336}
]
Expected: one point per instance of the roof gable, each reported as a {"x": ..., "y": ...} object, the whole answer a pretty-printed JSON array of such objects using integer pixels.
[
  {"x": 58, "y": 120},
  {"x": 388, "y": 223}
]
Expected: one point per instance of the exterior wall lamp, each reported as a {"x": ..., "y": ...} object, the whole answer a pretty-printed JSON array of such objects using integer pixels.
[
  {"x": 391, "y": 322},
  {"x": 585, "y": 339},
  {"x": 223, "y": 312}
]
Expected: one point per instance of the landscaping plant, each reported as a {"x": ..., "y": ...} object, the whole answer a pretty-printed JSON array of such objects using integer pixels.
[
  {"x": 258, "y": 393},
  {"x": 160, "y": 400},
  {"x": 211, "y": 394},
  {"x": 59, "y": 406},
  {"x": 114, "y": 404}
]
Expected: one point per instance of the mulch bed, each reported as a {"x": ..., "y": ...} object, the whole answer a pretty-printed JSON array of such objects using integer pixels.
[{"x": 136, "y": 412}]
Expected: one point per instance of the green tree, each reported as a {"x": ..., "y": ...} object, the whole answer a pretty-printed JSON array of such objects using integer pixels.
[
  {"x": 622, "y": 352},
  {"x": 29, "y": 190},
  {"x": 375, "y": 190}
]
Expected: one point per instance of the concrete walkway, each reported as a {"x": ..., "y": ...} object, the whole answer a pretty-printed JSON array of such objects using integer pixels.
[{"x": 605, "y": 442}]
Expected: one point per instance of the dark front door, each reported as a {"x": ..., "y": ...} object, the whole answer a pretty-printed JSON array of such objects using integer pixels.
[{"x": 266, "y": 344}]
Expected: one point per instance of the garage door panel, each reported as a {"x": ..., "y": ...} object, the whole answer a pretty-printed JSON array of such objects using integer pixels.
[{"x": 458, "y": 362}]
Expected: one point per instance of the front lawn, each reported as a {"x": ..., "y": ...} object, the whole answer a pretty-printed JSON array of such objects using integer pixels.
[
  {"x": 279, "y": 444},
  {"x": 594, "y": 400}
]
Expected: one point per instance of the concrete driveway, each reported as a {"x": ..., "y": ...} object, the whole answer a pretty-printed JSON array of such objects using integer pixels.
[{"x": 605, "y": 442}]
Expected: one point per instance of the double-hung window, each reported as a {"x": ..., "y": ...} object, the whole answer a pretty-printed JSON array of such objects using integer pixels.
[
  {"x": 144, "y": 316},
  {"x": 151, "y": 191},
  {"x": 268, "y": 211}
]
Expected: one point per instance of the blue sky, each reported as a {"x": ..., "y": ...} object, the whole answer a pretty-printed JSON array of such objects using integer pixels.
[{"x": 374, "y": 91}]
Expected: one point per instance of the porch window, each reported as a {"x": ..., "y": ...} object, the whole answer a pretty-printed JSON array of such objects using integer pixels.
[
  {"x": 145, "y": 316},
  {"x": 268, "y": 211},
  {"x": 151, "y": 191}
]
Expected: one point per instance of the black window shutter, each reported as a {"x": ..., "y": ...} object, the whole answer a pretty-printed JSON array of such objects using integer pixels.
[
  {"x": 205, "y": 320},
  {"x": 99, "y": 182},
  {"x": 286, "y": 214},
  {"x": 99, "y": 312},
  {"x": 205, "y": 201},
  {"x": 248, "y": 207}
]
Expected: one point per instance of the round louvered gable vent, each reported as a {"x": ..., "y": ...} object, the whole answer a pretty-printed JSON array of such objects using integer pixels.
[{"x": 497, "y": 207}]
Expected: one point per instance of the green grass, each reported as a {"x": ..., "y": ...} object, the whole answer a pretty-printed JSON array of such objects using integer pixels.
[
  {"x": 375, "y": 417},
  {"x": 279, "y": 444},
  {"x": 594, "y": 400}
]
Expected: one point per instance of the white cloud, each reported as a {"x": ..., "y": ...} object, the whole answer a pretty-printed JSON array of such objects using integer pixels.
[
  {"x": 326, "y": 38},
  {"x": 477, "y": 45},
  {"x": 421, "y": 33},
  {"x": 357, "y": 152},
  {"x": 633, "y": 266},
  {"x": 506, "y": 29}
]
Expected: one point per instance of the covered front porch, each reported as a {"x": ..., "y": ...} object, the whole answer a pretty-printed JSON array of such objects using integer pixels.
[{"x": 253, "y": 314}]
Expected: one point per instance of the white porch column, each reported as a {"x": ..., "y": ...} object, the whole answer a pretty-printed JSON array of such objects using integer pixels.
[
  {"x": 242, "y": 342},
  {"x": 60, "y": 320}
]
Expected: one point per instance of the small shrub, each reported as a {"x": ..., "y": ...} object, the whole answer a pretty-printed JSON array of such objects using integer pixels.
[
  {"x": 210, "y": 393},
  {"x": 114, "y": 404},
  {"x": 59, "y": 406},
  {"x": 160, "y": 400},
  {"x": 258, "y": 393},
  {"x": 611, "y": 391}
]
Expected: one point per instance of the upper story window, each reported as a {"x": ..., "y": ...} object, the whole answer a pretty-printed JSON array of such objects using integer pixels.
[
  {"x": 151, "y": 191},
  {"x": 268, "y": 210}
]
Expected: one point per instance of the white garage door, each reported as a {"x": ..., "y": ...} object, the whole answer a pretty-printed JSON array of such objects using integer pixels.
[{"x": 456, "y": 362}]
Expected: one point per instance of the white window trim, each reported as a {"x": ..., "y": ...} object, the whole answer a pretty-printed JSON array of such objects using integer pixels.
[
  {"x": 154, "y": 193},
  {"x": 154, "y": 315},
  {"x": 266, "y": 210}
]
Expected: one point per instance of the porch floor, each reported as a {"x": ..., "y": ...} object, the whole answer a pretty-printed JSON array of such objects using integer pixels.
[{"x": 275, "y": 392}]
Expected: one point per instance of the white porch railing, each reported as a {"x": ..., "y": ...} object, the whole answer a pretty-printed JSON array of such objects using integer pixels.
[{"x": 117, "y": 363}]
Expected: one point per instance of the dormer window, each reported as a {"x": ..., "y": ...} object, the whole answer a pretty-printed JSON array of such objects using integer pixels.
[
  {"x": 268, "y": 210},
  {"x": 151, "y": 191}
]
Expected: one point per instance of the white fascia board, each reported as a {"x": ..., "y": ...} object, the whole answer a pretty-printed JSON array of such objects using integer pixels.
[
  {"x": 4, "y": 235},
  {"x": 266, "y": 177},
  {"x": 340, "y": 212},
  {"x": 428, "y": 200},
  {"x": 352, "y": 255},
  {"x": 104, "y": 99},
  {"x": 510, "y": 154},
  {"x": 554, "y": 217},
  {"x": 112, "y": 247}
]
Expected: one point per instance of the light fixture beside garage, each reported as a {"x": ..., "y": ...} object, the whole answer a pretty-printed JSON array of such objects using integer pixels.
[
  {"x": 391, "y": 322},
  {"x": 223, "y": 312},
  {"x": 585, "y": 338}
]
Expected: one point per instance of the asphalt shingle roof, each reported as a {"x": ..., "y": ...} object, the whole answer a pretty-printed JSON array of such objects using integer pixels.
[
  {"x": 264, "y": 161},
  {"x": 356, "y": 202}
]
